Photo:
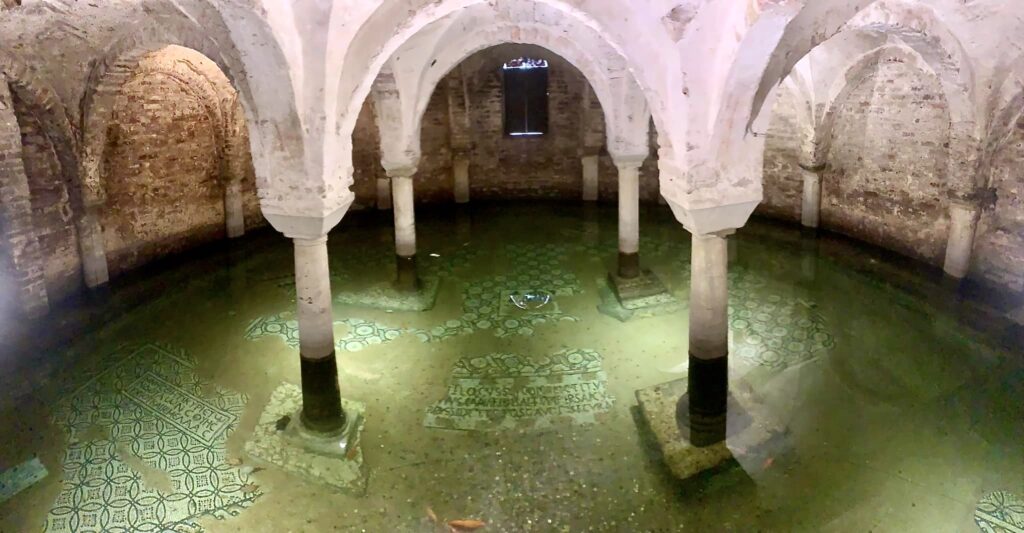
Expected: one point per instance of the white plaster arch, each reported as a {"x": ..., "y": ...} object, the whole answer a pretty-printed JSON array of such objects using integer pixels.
[
  {"x": 787, "y": 34},
  {"x": 384, "y": 30}
]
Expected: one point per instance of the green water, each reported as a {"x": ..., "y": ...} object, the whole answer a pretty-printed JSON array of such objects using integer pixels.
[{"x": 898, "y": 417}]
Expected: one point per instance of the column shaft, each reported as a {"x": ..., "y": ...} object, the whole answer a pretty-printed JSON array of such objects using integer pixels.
[
  {"x": 591, "y": 168},
  {"x": 92, "y": 250},
  {"x": 810, "y": 211},
  {"x": 321, "y": 396},
  {"x": 234, "y": 210},
  {"x": 963, "y": 221},
  {"x": 405, "y": 232},
  {"x": 708, "y": 378},
  {"x": 460, "y": 171},
  {"x": 629, "y": 221}
]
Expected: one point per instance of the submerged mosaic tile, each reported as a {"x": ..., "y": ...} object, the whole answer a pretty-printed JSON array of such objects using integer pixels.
[
  {"x": 20, "y": 477},
  {"x": 1000, "y": 512},
  {"x": 511, "y": 392},
  {"x": 147, "y": 404},
  {"x": 483, "y": 301},
  {"x": 361, "y": 333}
]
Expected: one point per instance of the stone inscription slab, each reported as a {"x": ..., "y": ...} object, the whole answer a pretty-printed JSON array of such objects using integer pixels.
[
  {"x": 187, "y": 412},
  {"x": 507, "y": 391}
]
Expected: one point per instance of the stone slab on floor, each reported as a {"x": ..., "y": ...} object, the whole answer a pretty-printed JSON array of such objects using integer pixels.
[
  {"x": 661, "y": 303},
  {"x": 750, "y": 427},
  {"x": 273, "y": 447},
  {"x": 642, "y": 291},
  {"x": 385, "y": 296}
]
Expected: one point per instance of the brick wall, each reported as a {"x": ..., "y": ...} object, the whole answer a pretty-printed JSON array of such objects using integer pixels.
[
  {"x": 51, "y": 206},
  {"x": 162, "y": 169},
  {"x": 886, "y": 170},
  {"x": 999, "y": 248},
  {"x": 502, "y": 167},
  {"x": 783, "y": 182}
]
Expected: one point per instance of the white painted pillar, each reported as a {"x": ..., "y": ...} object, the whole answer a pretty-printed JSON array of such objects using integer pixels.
[
  {"x": 383, "y": 194},
  {"x": 405, "y": 226},
  {"x": 321, "y": 396},
  {"x": 460, "y": 171},
  {"x": 963, "y": 221},
  {"x": 708, "y": 377},
  {"x": 591, "y": 166},
  {"x": 234, "y": 210},
  {"x": 810, "y": 210},
  {"x": 629, "y": 218},
  {"x": 92, "y": 249}
]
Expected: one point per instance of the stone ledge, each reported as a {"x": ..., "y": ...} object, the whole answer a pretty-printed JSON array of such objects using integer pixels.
[
  {"x": 277, "y": 442},
  {"x": 645, "y": 297},
  {"x": 750, "y": 428}
]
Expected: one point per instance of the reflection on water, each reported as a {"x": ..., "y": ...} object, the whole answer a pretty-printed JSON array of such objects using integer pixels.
[{"x": 511, "y": 400}]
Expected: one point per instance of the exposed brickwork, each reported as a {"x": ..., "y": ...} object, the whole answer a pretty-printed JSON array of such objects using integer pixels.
[
  {"x": 783, "y": 184},
  {"x": 163, "y": 172},
  {"x": 52, "y": 213},
  {"x": 502, "y": 167},
  {"x": 999, "y": 248},
  {"x": 22, "y": 277}
]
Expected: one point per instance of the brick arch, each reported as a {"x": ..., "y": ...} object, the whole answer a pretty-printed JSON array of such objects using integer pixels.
[{"x": 120, "y": 63}]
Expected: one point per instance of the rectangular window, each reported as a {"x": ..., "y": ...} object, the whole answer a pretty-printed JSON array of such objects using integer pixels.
[{"x": 526, "y": 97}]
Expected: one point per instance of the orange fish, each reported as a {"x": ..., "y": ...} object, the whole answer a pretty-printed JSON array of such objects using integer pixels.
[
  {"x": 768, "y": 463},
  {"x": 431, "y": 515},
  {"x": 466, "y": 525}
]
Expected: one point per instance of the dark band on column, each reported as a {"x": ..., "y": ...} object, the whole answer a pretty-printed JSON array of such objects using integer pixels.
[
  {"x": 708, "y": 392},
  {"x": 407, "y": 276},
  {"x": 629, "y": 265},
  {"x": 321, "y": 396}
]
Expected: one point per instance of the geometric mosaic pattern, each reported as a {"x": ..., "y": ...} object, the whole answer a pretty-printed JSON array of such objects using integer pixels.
[
  {"x": 769, "y": 330},
  {"x": 361, "y": 333},
  {"x": 1000, "y": 512},
  {"x": 511, "y": 392},
  {"x": 146, "y": 401}
]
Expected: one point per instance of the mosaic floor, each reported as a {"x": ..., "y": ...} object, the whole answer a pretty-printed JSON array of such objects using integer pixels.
[
  {"x": 897, "y": 417},
  {"x": 148, "y": 405}
]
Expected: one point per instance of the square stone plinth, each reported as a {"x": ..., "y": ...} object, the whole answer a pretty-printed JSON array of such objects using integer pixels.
[
  {"x": 749, "y": 428},
  {"x": 389, "y": 298},
  {"x": 639, "y": 292},
  {"x": 640, "y": 297},
  {"x": 276, "y": 442}
]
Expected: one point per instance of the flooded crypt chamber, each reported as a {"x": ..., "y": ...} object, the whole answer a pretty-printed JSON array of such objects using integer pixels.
[{"x": 511, "y": 266}]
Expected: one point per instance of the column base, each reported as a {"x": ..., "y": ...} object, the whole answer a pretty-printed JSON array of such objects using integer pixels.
[
  {"x": 407, "y": 280},
  {"x": 629, "y": 265},
  {"x": 281, "y": 440},
  {"x": 321, "y": 396},
  {"x": 750, "y": 432}
]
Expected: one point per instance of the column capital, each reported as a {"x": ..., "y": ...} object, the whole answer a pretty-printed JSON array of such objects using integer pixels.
[
  {"x": 628, "y": 160},
  {"x": 306, "y": 227},
  {"x": 812, "y": 167},
  {"x": 404, "y": 171}
]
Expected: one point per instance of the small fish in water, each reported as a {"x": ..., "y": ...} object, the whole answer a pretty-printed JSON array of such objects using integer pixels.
[
  {"x": 283, "y": 422},
  {"x": 250, "y": 488},
  {"x": 466, "y": 525},
  {"x": 352, "y": 452},
  {"x": 234, "y": 461},
  {"x": 431, "y": 515},
  {"x": 768, "y": 463}
]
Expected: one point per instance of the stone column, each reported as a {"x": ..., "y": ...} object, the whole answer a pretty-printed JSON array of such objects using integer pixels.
[
  {"x": 591, "y": 165},
  {"x": 810, "y": 210},
  {"x": 708, "y": 378},
  {"x": 963, "y": 221},
  {"x": 629, "y": 216},
  {"x": 234, "y": 209},
  {"x": 460, "y": 172},
  {"x": 383, "y": 194},
  {"x": 321, "y": 396},
  {"x": 92, "y": 249},
  {"x": 405, "y": 227}
]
